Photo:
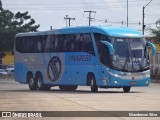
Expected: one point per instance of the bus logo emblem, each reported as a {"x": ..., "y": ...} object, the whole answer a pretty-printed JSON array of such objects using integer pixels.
[{"x": 54, "y": 69}]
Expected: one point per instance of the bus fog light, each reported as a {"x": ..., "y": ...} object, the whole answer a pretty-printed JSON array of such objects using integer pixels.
[
  {"x": 147, "y": 82},
  {"x": 115, "y": 82},
  {"x": 104, "y": 82}
]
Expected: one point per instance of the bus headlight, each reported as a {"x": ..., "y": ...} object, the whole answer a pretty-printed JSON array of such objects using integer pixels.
[{"x": 116, "y": 75}]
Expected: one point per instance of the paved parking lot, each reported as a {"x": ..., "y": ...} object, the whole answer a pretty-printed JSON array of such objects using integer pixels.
[{"x": 17, "y": 97}]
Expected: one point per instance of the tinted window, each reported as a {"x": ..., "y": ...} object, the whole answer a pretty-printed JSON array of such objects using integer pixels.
[
  {"x": 98, "y": 37},
  {"x": 104, "y": 54},
  {"x": 30, "y": 44},
  {"x": 55, "y": 43}
]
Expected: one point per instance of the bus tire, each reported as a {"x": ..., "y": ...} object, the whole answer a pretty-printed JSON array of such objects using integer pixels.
[
  {"x": 93, "y": 86},
  {"x": 46, "y": 87},
  {"x": 74, "y": 87},
  {"x": 40, "y": 85},
  {"x": 126, "y": 89},
  {"x": 62, "y": 87},
  {"x": 31, "y": 82}
]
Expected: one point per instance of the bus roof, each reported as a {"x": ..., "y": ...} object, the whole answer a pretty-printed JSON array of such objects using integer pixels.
[{"x": 110, "y": 31}]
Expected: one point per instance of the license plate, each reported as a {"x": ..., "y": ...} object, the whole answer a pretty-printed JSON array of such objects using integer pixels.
[{"x": 132, "y": 83}]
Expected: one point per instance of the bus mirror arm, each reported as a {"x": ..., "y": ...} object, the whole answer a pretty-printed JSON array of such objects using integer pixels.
[
  {"x": 111, "y": 50},
  {"x": 153, "y": 47}
]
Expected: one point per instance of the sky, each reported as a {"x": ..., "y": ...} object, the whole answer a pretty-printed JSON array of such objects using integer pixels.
[{"x": 108, "y": 12}]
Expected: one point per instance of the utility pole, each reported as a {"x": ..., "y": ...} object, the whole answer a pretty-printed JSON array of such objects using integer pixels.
[
  {"x": 127, "y": 13},
  {"x": 50, "y": 27},
  {"x": 68, "y": 18},
  {"x": 90, "y": 18},
  {"x": 143, "y": 25}
]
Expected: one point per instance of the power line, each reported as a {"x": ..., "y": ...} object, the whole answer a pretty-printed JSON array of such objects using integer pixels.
[
  {"x": 122, "y": 22},
  {"x": 72, "y": 3},
  {"x": 80, "y": 19},
  {"x": 97, "y": 6},
  {"x": 77, "y": 7}
]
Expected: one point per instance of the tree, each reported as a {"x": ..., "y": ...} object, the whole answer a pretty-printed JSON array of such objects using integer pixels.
[
  {"x": 10, "y": 25},
  {"x": 156, "y": 32},
  {"x": 0, "y": 5},
  {"x": 6, "y": 34}
]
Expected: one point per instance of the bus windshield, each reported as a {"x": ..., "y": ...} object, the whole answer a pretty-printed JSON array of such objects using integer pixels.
[{"x": 131, "y": 54}]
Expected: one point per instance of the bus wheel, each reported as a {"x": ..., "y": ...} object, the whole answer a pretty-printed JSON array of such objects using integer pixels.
[
  {"x": 74, "y": 87},
  {"x": 47, "y": 87},
  {"x": 62, "y": 87},
  {"x": 126, "y": 89},
  {"x": 31, "y": 82},
  {"x": 40, "y": 84},
  {"x": 94, "y": 87}
]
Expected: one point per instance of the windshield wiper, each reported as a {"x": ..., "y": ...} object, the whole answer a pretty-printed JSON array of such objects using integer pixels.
[
  {"x": 116, "y": 68},
  {"x": 126, "y": 62},
  {"x": 137, "y": 61},
  {"x": 124, "y": 70}
]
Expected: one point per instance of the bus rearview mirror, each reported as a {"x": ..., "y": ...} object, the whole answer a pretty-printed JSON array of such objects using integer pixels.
[
  {"x": 111, "y": 50},
  {"x": 153, "y": 47}
]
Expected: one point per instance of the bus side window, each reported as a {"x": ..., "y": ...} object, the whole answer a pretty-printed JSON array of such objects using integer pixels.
[
  {"x": 72, "y": 42},
  {"x": 64, "y": 43},
  {"x": 39, "y": 44},
  {"x": 47, "y": 44},
  {"x": 31, "y": 45},
  {"x": 87, "y": 44},
  {"x": 81, "y": 43},
  {"x": 77, "y": 39},
  {"x": 35, "y": 44},
  {"x": 43, "y": 39},
  {"x": 98, "y": 37},
  {"x": 103, "y": 54},
  {"x": 84, "y": 47},
  {"x": 28, "y": 45},
  {"x": 90, "y": 45},
  {"x": 60, "y": 44},
  {"x": 57, "y": 42},
  {"x": 50, "y": 44},
  {"x": 23, "y": 44},
  {"x": 19, "y": 44},
  {"x": 67, "y": 43}
]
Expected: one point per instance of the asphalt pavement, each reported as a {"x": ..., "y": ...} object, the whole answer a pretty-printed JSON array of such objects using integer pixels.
[{"x": 17, "y": 97}]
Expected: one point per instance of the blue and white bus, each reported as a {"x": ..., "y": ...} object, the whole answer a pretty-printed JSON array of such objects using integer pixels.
[{"x": 95, "y": 56}]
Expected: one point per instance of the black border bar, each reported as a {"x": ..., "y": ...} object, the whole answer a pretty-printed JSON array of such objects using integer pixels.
[{"x": 22, "y": 114}]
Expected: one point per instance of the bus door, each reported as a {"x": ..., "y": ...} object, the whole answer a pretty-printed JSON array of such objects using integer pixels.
[{"x": 105, "y": 60}]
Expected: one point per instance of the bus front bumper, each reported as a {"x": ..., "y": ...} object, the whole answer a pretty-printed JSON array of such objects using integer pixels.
[{"x": 126, "y": 80}]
